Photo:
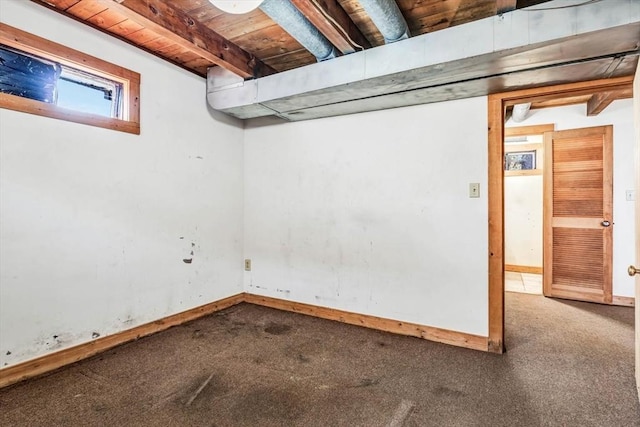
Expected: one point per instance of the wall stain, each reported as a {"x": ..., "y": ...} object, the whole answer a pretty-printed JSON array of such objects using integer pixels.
[{"x": 190, "y": 260}]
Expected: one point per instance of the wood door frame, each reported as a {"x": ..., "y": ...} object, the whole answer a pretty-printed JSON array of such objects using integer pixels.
[{"x": 497, "y": 105}]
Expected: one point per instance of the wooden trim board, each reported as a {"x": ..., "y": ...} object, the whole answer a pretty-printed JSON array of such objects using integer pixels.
[
  {"x": 523, "y": 269},
  {"x": 527, "y": 172},
  {"x": 624, "y": 301},
  {"x": 459, "y": 339},
  {"x": 53, "y": 361},
  {"x": 523, "y": 146},
  {"x": 495, "y": 194},
  {"x": 528, "y": 130}
]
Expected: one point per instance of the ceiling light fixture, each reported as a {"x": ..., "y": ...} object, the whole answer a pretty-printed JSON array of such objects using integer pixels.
[{"x": 236, "y": 6}]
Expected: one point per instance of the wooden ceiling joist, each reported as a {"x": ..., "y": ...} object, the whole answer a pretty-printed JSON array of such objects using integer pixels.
[
  {"x": 334, "y": 23},
  {"x": 504, "y": 6},
  {"x": 177, "y": 26},
  {"x": 173, "y": 25},
  {"x": 599, "y": 101}
]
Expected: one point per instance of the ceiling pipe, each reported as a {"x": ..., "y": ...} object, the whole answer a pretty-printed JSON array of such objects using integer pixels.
[
  {"x": 285, "y": 14},
  {"x": 520, "y": 112},
  {"x": 387, "y": 17}
]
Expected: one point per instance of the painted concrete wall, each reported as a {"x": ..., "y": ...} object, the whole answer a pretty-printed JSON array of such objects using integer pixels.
[
  {"x": 95, "y": 223},
  {"x": 620, "y": 115},
  {"x": 370, "y": 213}
]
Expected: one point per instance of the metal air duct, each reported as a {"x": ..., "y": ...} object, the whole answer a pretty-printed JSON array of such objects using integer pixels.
[
  {"x": 387, "y": 17},
  {"x": 285, "y": 14},
  {"x": 520, "y": 112}
]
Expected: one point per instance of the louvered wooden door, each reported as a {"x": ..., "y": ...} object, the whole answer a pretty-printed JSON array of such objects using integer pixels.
[{"x": 578, "y": 214}]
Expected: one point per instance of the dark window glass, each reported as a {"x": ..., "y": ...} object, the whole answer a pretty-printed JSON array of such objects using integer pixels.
[{"x": 29, "y": 76}]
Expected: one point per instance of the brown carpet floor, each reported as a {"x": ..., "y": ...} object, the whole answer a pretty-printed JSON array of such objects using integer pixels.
[{"x": 568, "y": 364}]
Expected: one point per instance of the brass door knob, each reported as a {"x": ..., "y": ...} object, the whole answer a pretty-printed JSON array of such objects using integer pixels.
[{"x": 632, "y": 270}]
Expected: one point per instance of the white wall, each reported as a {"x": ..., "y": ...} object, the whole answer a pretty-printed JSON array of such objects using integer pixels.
[
  {"x": 620, "y": 115},
  {"x": 370, "y": 213},
  {"x": 95, "y": 223},
  {"x": 523, "y": 210},
  {"x": 523, "y": 220}
]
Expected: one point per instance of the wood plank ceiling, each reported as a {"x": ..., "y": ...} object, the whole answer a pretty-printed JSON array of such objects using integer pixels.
[{"x": 196, "y": 35}]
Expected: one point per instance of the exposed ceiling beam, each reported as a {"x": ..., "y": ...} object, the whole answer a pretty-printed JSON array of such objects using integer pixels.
[
  {"x": 175, "y": 25},
  {"x": 526, "y": 3},
  {"x": 561, "y": 101},
  {"x": 599, "y": 101},
  {"x": 504, "y": 6},
  {"x": 334, "y": 23}
]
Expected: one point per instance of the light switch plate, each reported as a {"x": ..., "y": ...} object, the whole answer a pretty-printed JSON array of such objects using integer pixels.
[
  {"x": 474, "y": 190},
  {"x": 247, "y": 265},
  {"x": 630, "y": 195}
]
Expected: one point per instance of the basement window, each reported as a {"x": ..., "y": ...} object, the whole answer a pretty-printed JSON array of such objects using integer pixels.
[{"x": 44, "y": 78}]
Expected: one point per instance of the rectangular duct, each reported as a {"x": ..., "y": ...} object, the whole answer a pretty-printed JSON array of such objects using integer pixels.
[{"x": 516, "y": 50}]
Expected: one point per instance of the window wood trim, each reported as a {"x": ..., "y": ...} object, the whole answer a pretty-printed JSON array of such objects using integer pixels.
[
  {"x": 47, "y": 49},
  {"x": 528, "y": 172}
]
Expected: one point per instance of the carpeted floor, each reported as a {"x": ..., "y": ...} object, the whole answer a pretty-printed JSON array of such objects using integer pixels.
[{"x": 568, "y": 364}]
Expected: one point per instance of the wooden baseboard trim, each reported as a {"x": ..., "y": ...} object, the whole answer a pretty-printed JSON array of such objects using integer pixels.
[
  {"x": 459, "y": 339},
  {"x": 53, "y": 361},
  {"x": 523, "y": 269},
  {"x": 625, "y": 301}
]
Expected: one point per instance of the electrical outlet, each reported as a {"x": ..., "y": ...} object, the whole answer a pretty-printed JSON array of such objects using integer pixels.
[
  {"x": 247, "y": 265},
  {"x": 474, "y": 189},
  {"x": 630, "y": 195}
]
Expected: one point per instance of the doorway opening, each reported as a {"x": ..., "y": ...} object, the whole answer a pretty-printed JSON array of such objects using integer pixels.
[
  {"x": 497, "y": 109},
  {"x": 523, "y": 205}
]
